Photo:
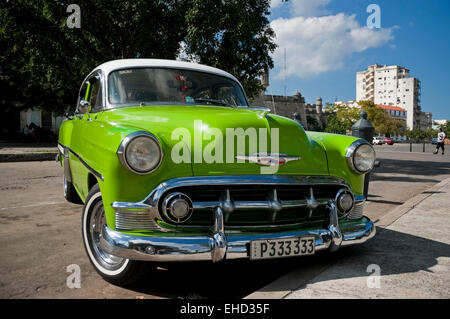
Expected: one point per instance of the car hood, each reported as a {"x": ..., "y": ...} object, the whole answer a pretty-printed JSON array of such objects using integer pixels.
[{"x": 204, "y": 134}]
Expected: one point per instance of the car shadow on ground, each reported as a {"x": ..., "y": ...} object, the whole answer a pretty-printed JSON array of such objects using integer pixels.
[
  {"x": 393, "y": 251},
  {"x": 207, "y": 280}
]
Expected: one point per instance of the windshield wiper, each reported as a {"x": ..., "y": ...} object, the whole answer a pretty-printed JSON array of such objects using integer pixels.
[{"x": 220, "y": 102}]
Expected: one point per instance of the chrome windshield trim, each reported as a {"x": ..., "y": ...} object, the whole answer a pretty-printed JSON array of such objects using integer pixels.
[{"x": 110, "y": 105}]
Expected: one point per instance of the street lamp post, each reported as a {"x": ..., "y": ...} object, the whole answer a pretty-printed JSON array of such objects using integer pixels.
[{"x": 364, "y": 129}]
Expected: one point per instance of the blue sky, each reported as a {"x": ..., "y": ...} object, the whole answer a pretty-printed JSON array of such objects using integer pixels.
[{"x": 327, "y": 42}]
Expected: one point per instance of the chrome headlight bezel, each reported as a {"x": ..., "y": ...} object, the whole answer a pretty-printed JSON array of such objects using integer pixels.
[
  {"x": 122, "y": 151},
  {"x": 350, "y": 156}
]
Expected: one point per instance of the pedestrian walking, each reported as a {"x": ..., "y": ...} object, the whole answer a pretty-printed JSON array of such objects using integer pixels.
[{"x": 440, "y": 142}]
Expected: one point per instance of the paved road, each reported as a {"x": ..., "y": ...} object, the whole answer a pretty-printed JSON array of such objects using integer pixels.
[
  {"x": 403, "y": 175},
  {"x": 40, "y": 236}
]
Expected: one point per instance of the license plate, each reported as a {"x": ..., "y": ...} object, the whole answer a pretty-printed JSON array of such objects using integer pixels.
[{"x": 277, "y": 248}]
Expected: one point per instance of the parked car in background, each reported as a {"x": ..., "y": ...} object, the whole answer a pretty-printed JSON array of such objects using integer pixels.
[
  {"x": 434, "y": 140},
  {"x": 378, "y": 140},
  {"x": 127, "y": 156},
  {"x": 389, "y": 141}
]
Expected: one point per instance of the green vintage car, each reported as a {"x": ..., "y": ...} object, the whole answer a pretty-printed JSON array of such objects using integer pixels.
[{"x": 173, "y": 165}]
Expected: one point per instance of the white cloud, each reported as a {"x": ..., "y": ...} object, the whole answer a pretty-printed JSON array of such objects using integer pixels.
[{"x": 318, "y": 44}]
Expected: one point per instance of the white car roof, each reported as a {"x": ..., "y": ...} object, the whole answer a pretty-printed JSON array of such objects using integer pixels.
[{"x": 110, "y": 66}]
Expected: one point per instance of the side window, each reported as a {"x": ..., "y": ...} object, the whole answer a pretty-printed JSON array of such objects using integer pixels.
[
  {"x": 82, "y": 95},
  {"x": 95, "y": 94}
]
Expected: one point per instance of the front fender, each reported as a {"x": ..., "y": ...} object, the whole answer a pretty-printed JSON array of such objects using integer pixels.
[{"x": 336, "y": 147}]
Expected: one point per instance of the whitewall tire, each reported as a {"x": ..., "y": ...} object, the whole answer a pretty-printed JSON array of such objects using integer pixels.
[{"x": 114, "y": 269}]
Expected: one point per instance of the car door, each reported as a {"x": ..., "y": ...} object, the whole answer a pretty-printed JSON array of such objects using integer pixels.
[{"x": 90, "y": 104}]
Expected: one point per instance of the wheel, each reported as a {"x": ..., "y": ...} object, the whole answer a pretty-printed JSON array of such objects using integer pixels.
[
  {"x": 114, "y": 269},
  {"x": 70, "y": 194}
]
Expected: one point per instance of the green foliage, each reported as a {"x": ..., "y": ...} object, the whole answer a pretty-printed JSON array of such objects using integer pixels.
[
  {"x": 445, "y": 128},
  {"x": 233, "y": 36},
  {"x": 43, "y": 62},
  {"x": 334, "y": 125},
  {"x": 381, "y": 121},
  {"x": 420, "y": 135},
  {"x": 341, "y": 118}
]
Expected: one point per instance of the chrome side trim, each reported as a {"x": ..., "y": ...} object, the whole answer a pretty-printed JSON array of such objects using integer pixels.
[{"x": 66, "y": 160}]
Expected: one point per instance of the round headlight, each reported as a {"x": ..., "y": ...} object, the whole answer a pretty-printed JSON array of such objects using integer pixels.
[
  {"x": 140, "y": 152},
  {"x": 361, "y": 157}
]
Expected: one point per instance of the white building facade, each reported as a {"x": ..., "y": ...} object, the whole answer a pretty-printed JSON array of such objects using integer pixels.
[
  {"x": 46, "y": 120},
  {"x": 392, "y": 86}
]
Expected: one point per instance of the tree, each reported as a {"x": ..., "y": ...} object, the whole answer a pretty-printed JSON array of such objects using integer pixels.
[
  {"x": 445, "y": 128},
  {"x": 232, "y": 35},
  {"x": 42, "y": 61},
  {"x": 334, "y": 125},
  {"x": 341, "y": 118},
  {"x": 416, "y": 135},
  {"x": 381, "y": 121}
]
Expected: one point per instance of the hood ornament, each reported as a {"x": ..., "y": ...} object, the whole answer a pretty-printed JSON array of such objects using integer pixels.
[{"x": 267, "y": 159}]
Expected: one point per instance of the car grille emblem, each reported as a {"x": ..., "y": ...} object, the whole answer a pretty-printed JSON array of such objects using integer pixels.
[{"x": 265, "y": 159}]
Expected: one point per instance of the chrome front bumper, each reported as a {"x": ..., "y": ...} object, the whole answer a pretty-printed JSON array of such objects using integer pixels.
[{"x": 220, "y": 244}]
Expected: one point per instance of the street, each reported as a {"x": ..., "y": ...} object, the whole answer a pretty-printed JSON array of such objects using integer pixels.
[{"x": 40, "y": 236}]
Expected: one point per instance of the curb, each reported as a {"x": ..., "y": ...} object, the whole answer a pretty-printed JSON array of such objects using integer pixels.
[
  {"x": 398, "y": 212},
  {"x": 28, "y": 157},
  {"x": 273, "y": 291}
]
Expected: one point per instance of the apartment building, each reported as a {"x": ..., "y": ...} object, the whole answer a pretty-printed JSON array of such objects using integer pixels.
[
  {"x": 393, "y": 86},
  {"x": 395, "y": 112}
]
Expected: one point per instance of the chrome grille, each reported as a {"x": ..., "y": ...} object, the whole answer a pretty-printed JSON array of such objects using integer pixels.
[
  {"x": 251, "y": 205},
  {"x": 357, "y": 211},
  {"x": 134, "y": 220}
]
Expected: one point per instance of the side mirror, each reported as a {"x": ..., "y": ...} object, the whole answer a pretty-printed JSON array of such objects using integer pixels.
[{"x": 84, "y": 107}]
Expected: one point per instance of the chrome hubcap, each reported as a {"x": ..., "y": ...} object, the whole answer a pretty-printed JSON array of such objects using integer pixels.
[{"x": 96, "y": 223}]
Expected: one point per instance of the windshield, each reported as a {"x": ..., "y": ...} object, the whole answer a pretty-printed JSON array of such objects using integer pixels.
[{"x": 172, "y": 86}]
